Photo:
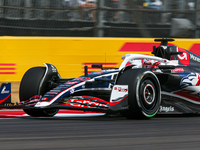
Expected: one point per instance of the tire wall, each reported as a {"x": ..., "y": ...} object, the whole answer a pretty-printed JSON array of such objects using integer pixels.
[{"x": 18, "y": 54}]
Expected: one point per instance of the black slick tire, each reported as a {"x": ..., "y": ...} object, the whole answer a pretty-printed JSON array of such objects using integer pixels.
[
  {"x": 31, "y": 85},
  {"x": 144, "y": 94}
]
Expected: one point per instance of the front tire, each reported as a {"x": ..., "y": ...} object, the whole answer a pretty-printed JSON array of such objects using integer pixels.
[
  {"x": 144, "y": 94},
  {"x": 31, "y": 85}
]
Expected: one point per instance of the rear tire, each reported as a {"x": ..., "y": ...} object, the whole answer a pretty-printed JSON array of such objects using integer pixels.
[
  {"x": 31, "y": 85},
  {"x": 144, "y": 94}
]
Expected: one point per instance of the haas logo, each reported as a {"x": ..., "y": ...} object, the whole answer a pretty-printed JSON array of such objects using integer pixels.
[
  {"x": 183, "y": 58},
  {"x": 120, "y": 89}
]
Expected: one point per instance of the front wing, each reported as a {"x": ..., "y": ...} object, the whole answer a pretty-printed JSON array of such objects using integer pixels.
[{"x": 85, "y": 103}]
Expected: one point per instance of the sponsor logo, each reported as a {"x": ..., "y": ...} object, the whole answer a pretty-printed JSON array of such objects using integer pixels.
[
  {"x": 44, "y": 99},
  {"x": 166, "y": 109},
  {"x": 118, "y": 94},
  {"x": 72, "y": 102},
  {"x": 82, "y": 78},
  {"x": 194, "y": 58},
  {"x": 120, "y": 89},
  {"x": 53, "y": 68},
  {"x": 183, "y": 58},
  {"x": 149, "y": 63},
  {"x": 4, "y": 91},
  {"x": 52, "y": 93},
  {"x": 71, "y": 82},
  {"x": 178, "y": 70}
]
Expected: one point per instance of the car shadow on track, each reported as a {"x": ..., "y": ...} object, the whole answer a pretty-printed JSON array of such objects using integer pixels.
[
  {"x": 91, "y": 118},
  {"x": 112, "y": 117}
]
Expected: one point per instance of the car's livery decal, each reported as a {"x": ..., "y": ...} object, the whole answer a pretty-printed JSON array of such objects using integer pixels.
[
  {"x": 189, "y": 79},
  {"x": 67, "y": 89},
  {"x": 183, "y": 58},
  {"x": 119, "y": 93},
  {"x": 85, "y": 102}
]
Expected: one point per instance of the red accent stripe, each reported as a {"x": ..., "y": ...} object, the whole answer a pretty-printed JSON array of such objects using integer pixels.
[
  {"x": 5, "y": 98},
  {"x": 7, "y": 72},
  {"x": 7, "y": 68},
  {"x": 21, "y": 113},
  {"x": 140, "y": 47},
  {"x": 7, "y": 64},
  {"x": 12, "y": 112},
  {"x": 115, "y": 103},
  {"x": 76, "y": 111},
  {"x": 100, "y": 63},
  {"x": 188, "y": 95},
  {"x": 95, "y": 98},
  {"x": 198, "y": 80},
  {"x": 103, "y": 68}
]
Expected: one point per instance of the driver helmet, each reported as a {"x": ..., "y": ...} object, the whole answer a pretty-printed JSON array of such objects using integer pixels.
[{"x": 149, "y": 63}]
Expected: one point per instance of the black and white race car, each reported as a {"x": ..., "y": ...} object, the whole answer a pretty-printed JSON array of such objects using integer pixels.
[{"x": 143, "y": 86}]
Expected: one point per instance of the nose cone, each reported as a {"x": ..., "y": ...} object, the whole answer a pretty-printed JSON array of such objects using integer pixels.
[{"x": 42, "y": 104}]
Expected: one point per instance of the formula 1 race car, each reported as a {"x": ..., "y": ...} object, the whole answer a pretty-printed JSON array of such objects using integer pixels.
[{"x": 143, "y": 86}]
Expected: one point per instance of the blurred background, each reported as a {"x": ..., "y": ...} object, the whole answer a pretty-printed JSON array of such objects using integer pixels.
[{"x": 100, "y": 18}]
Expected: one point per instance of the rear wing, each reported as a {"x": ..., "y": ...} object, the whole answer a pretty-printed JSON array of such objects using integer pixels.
[{"x": 5, "y": 93}]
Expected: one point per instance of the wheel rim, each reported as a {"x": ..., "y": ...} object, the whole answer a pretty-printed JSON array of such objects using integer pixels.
[
  {"x": 148, "y": 99},
  {"x": 149, "y": 94}
]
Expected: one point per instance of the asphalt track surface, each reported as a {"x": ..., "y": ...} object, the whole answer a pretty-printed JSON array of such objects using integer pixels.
[{"x": 64, "y": 132}]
